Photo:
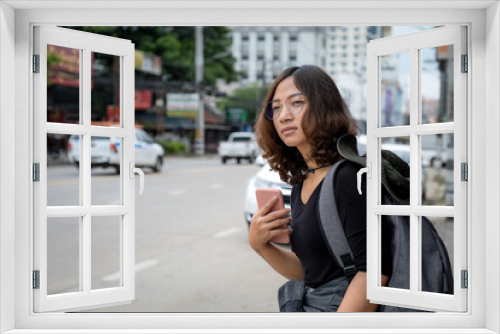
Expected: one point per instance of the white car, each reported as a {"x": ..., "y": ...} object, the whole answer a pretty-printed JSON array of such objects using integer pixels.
[
  {"x": 105, "y": 151},
  {"x": 239, "y": 145},
  {"x": 266, "y": 178}
]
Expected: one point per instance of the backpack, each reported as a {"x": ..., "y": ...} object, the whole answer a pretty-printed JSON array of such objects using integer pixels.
[{"x": 437, "y": 275}]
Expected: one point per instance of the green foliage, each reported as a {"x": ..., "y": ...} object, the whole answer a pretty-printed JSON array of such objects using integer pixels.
[
  {"x": 172, "y": 147},
  {"x": 175, "y": 45},
  {"x": 52, "y": 59},
  {"x": 249, "y": 98}
]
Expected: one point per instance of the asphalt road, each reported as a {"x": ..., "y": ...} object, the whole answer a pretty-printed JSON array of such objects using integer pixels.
[{"x": 192, "y": 253}]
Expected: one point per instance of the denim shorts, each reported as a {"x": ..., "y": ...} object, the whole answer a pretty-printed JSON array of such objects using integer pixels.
[{"x": 295, "y": 296}]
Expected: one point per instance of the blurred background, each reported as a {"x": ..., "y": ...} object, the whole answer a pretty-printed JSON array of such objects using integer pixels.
[{"x": 194, "y": 86}]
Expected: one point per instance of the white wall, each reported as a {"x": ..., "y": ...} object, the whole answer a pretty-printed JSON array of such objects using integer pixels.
[
  {"x": 492, "y": 155},
  {"x": 7, "y": 159}
]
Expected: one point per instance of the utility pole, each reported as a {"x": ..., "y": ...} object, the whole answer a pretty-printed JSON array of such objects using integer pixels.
[{"x": 199, "y": 137}]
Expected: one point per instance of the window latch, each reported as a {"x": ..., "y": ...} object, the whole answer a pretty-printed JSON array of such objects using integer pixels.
[
  {"x": 368, "y": 172},
  {"x": 133, "y": 170}
]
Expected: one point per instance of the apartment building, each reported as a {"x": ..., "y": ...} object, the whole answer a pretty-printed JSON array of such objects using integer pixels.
[{"x": 263, "y": 52}]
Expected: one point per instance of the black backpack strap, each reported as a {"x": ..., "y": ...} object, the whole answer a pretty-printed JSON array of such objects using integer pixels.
[{"x": 331, "y": 225}]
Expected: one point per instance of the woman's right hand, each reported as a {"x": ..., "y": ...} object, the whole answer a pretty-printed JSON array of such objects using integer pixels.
[{"x": 266, "y": 225}]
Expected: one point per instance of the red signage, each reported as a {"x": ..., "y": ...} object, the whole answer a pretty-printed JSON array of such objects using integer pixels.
[{"x": 143, "y": 99}]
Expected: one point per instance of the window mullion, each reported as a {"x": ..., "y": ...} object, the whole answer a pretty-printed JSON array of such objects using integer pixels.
[
  {"x": 85, "y": 160},
  {"x": 415, "y": 235}
]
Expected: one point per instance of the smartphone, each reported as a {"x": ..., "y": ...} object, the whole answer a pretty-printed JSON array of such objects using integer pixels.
[{"x": 264, "y": 196}]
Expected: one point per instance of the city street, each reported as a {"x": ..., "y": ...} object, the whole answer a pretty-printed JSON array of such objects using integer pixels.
[{"x": 192, "y": 253}]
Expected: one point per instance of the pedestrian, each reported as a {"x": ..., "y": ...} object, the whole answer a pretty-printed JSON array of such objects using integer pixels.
[{"x": 302, "y": 118}]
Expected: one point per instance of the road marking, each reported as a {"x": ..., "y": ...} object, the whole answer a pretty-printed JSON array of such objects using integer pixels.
[
  {"x": 138, "y": 268},
  {"x": 225, "y": 233},
  {"x": 177, "y": 192},
  {"x": 216, "y": 186}
]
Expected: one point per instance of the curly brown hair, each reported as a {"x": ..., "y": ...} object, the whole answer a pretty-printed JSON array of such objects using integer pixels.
[{"x": 326, "y": 119}]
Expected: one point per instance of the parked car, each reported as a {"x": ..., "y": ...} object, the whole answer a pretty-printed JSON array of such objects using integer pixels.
[
  {"x": 105, "y": 151},
  {"x": 266, "y": 178},
  {"x": 239, "y": 145}
]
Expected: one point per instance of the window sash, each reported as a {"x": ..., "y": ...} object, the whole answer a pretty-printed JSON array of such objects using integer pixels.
[
  {"x": 413, "y": 298},
  {"x": 85, "y": 297}
]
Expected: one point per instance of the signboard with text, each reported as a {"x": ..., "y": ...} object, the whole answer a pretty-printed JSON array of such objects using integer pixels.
[
  {"x": 183, "y": 105},
  {"x": 236, "y": 116}
]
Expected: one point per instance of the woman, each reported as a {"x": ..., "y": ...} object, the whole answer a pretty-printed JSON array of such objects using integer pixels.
[{"x": 298, "y": 128}]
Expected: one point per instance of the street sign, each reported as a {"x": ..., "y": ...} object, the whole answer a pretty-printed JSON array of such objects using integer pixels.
[{"x": 237, "y": 116}]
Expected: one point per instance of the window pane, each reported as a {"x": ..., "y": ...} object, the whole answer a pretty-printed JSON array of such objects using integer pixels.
[
  {"x": 437, "y": 169},
  {"x": 431, "y": 266},
  {"x": 400, "y": 146},
  {"x": 394, "y": 236},
  {"x": 106, "y": 158},
  {"x": 106, "y": 252},
  {"x": 105, "y": 89},
  {"x": 63, "y": 255},
  {"x": 395, "y": 89},
  {"x": 436, "y": 84},
  {"x": 63, "y": 182},
  {"x": 63, "y": 84}
]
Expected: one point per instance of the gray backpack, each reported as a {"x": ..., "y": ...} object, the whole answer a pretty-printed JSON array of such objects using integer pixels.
[{"x": 437, "y": 275}]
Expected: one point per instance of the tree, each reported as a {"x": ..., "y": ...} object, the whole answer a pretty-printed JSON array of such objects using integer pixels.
[
  {"x": 175, "y": 45},
  {"x": 249, "y": 99}
]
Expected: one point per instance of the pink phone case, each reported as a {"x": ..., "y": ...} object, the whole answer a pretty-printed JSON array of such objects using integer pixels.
[{"x": 264, "y": 196}]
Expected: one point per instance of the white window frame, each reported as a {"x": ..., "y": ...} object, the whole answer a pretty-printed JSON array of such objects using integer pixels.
[
  {"x": 483, "y": 21},
  {"x": 412, "y": 44},
  {"x": 85, "y": 297}
]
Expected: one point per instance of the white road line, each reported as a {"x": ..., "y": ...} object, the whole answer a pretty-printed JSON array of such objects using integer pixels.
[
  {"x": 225, "y": 233},
  {"x": 177, "y": 192},
  {"x": 216, "y": 186},
  {"x": 138, "y": 268}
]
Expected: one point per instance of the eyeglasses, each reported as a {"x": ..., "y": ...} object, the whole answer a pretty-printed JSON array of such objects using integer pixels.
[{"x": 294, "y": 104}]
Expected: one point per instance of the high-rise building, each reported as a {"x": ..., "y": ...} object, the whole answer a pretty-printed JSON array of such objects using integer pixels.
[
  {"x": 263, "y": 52},
  {"x": 346, "y": 47}
]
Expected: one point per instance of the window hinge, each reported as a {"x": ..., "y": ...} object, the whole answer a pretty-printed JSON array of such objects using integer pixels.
[
  {"x": 36, "y": 63},
  {"x": 36, "y": 279},
  {"x": 36, "y": 172},
  {"x": 465, "y": 64},
  {"x": 464, "y": 171},
  {"x": 465, "y": 279}
]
